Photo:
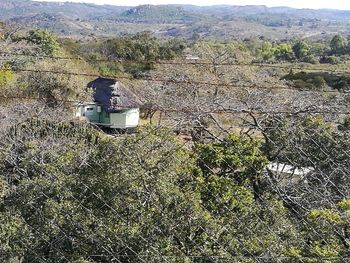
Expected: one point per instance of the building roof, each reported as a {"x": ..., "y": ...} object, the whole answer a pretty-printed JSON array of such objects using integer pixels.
[
  {"x": 289, "y": 169},
  {"x": 113, "y": 95}
]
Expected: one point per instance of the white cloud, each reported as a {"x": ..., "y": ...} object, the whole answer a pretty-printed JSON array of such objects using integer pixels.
[{"x": 315, "y": 4}]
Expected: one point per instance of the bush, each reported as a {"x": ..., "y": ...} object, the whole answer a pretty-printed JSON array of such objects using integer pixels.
[
  {"x": 330, "y": 60},
  {"x": 45, "y": 40},
  {"x": 311, "y": 59},
  {"x": 6, "y": 75},
  {"x": 319, "y": 82},
  {"x": 303, "y": 85}
]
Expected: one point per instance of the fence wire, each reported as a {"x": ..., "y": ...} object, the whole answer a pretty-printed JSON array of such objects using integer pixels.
[
  {"x": 231, "y": 163},
  {"x": 273, "y": 187}
]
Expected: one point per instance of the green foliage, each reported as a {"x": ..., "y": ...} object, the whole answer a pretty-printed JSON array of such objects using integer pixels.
[
  {"x": 284, "y": 51},
  {"x": 331, "y": 226},
  {"x": 145, "y": 47},
  {"x": 311, "y": 59},
  {"x": 45, "y": 40},
  {"x": 234, "y": 161},
  {"x": 309, "y": 135},
  {"x": 301, "y": 50},
  {"x": 110, "y": 69},
  {"x": 304, "y": 132},
  {"x": 235, "y": 157},
  {"x": 338, "y": 43},
  {"x": 139, "y": 51},
  {"x": 6, "y": 75},
  {"x": 266, "y": 51},
  {"x": 345, "y": 205},
  {"x": 54, "y": 89},
  {"x": 319, "y": 80},
  {"x": 142, "y": 196},
  {"x": 330, "y": 60},
  {"x": 142, "y": 46},
  {"x": 231, "y": 184},
  {"x": 132, "y": 196}
]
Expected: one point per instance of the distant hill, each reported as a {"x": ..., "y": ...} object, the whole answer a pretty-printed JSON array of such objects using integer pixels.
[
  {"x": 13, "y": 8},
  {"x": 159, "y": 14},
  {"x": 59, "y": 23},
  {"x": 221, "y": 21}
]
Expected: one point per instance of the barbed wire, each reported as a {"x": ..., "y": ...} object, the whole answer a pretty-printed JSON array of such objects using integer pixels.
[
  {"x": 174, "y": 81},
  {"x": 166, "y": 257},
  {"x": 189, "y": 110},
  {"x": 123, "y": 193},
  {"x": 184, "y": 62}
]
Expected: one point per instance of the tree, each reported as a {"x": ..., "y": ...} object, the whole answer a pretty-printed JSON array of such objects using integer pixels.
[
  {"x": 284, "y": 51},
  {"x": 54, "y": 89},
  {"x": 338, "y": 43},
  {"x": 329, "y": 234},
  {"x": 81, "y": 195},
  {"x": 6, "y": 75},
  {"x": 237, "y": 158},
  {"x": 318, "y": 146},
  {"x": 45, "y": 40},
  {"x": 301, "y": 49},
  {"x": 267, "y": 51},
  {"x": 231, "y": 181}
]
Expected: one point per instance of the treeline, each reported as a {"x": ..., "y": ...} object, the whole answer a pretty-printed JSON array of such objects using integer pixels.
[
  {"x": 144, "y": 46},
  {"x": 148, "y": 48},
  {"x": 335, "y": 51}
]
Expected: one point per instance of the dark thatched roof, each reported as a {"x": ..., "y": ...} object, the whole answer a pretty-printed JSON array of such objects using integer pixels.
[{"x": 113, "y": 95}]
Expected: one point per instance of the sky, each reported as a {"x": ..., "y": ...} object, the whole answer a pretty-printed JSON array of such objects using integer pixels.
[{"x": 314, "y": 4}]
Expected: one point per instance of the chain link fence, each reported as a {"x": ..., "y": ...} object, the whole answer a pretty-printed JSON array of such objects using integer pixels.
[{"x": 271, "y": 188}]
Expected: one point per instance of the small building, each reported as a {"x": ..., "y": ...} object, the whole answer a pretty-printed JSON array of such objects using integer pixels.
[
  {"x": 286, "y": 169},
  {"x": 114, "y": 105},
  {"x": 193, "y": 58},
  {"x": 286, "y": 174}
]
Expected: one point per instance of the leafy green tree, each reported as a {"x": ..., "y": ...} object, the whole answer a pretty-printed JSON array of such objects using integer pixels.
[
  {"x": 54, "y": 89},
  {"x": 330, "y": 235},
  {"x": 77, "y": 195},
  {"x": 237, "y": 158},
  {"x": 266, "y": 52},
  {"x": 338, "y": 43},
  {"x": 6, "y": 75},
  {"x": 284, "y": 51},
  {"x": 301, "y": 49},
  {"x": 85, "y": 196},
  {"x": 231, "y": 181},
  {"x": 45, "y": 40}
]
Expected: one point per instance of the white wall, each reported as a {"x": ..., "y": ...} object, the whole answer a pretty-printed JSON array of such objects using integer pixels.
[
  {"x": 126, "y": 119},
  {"x": 132, "y": 118}
]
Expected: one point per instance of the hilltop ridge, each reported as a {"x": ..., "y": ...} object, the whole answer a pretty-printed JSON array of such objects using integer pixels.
[{"x": 218, "y": 21}]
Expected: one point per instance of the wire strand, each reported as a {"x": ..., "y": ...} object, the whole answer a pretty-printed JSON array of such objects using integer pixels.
[
  {"x": 188, "y": 82},
  {"x": 183, "y": 62},
  {"x": 189, "y": 110}
]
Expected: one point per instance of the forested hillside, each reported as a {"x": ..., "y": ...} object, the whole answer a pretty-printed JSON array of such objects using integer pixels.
[{"x": 241, "y": 153}]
